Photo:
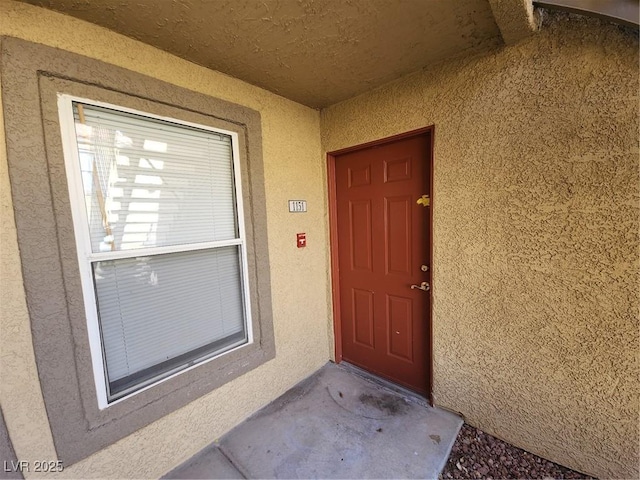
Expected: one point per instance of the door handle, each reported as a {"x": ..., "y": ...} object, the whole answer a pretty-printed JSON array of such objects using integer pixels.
[{"x": 423, "y": 286}]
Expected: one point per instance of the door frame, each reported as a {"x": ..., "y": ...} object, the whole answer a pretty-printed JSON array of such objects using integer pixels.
[{"x": 333, "y": 239}]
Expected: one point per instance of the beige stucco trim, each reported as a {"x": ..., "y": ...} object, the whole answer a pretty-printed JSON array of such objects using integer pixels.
[
  {"x": 516, "y": 19},
  {"x": 293, "y": 169}
]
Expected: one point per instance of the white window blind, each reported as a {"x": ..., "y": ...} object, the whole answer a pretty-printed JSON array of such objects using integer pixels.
[
  {"x": 169, "y": 189},
  {"x": 153, "y": 183}
]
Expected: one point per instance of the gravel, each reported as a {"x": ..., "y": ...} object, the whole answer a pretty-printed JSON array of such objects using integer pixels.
[{"x": 476, "y": 454}]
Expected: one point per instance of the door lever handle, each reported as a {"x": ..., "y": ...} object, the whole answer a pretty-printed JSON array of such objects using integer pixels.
[{"x": 423, "y": 286}]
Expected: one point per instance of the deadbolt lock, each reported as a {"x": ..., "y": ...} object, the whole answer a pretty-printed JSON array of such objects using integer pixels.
[
  {"x": 424, "y": 268},
  {"x": 424, "y": 200}
]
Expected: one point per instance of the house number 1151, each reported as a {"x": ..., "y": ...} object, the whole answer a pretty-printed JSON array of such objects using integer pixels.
[{"x": 297, "y": 206}]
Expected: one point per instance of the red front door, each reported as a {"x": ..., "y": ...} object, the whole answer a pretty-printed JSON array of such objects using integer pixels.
[{"x": 384, "y": 249}]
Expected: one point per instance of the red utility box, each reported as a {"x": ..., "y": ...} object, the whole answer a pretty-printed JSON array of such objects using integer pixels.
[{"x": 301, "y": 240}]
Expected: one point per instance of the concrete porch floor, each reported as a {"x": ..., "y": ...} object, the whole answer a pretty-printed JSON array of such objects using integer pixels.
[{"x": 338, "y": 423}]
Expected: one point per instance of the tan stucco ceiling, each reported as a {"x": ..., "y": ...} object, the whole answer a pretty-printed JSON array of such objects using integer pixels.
[{"x": 317, "y": 52}]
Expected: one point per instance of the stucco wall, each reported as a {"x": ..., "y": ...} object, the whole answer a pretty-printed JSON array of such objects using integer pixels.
[
  {"x": 293, "y": 169},
  {"x": 535, "y": 235}
]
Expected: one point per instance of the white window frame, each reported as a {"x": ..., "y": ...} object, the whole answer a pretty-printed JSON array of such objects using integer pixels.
[{"x": 86, "y": 257}]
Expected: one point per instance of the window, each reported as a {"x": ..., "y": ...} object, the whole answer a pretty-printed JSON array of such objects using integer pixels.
[
  {"x": 157, "y": 213},
  {"x": 59, "y": 258}
]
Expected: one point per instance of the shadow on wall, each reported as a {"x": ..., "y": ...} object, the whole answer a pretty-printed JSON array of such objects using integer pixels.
[{"x": 11, "y": 468}]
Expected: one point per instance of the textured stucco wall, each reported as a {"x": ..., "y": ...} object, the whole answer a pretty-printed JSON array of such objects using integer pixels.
[
  {"x": 291, "y": 47},
  {"x": 293, "y": 169},
  {"x": 536, "y": 221}
]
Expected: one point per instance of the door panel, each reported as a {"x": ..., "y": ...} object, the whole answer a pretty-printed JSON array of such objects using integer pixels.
[
  {"x": 383, "y": 241},
  {"x": 398, "y": 234},
  {"x": 361, "y": 244},
  {"x": 400, "y": 327},
  {"x": 362, "y": 309}
]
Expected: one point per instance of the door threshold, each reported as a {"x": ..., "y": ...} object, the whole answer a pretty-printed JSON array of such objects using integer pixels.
[{"x": 382, "y": 382}]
